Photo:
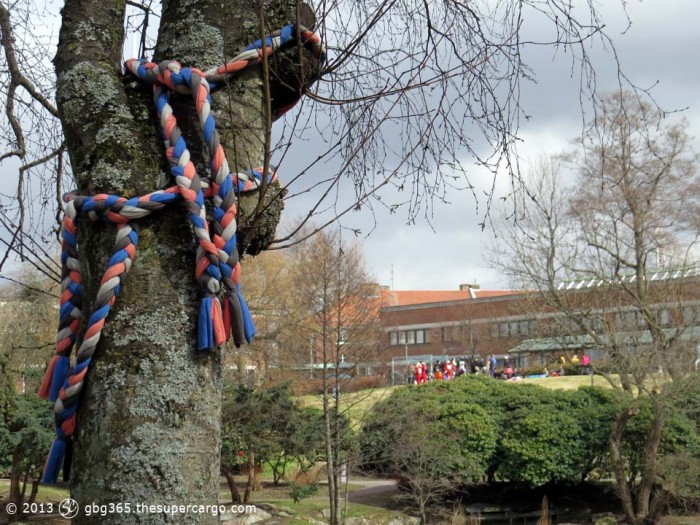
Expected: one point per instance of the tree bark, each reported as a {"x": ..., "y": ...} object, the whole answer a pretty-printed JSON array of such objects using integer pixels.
[
  {"x": 231, "y": 481},
  {"x": 148, "y": 428},
  {"x": 251, "y": 476},
  {"x": 618, "y": 465},
  {"x": 15, "y": 485},
  {"x": 34, "y": 492},
  {"x": 649, "y": 465}
]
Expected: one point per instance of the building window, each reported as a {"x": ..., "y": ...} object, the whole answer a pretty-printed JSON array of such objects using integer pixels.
[
  {"x": 524, "y": 328},
  {"x": 408, "y": 337},
  {"x": 689, "y": 314},
  {"x": 641, "y": 322},
  {"x": 597, "y": 324}
]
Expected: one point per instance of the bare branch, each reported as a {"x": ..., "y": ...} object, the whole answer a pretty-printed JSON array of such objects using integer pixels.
[{"x": 16, "y": 75}]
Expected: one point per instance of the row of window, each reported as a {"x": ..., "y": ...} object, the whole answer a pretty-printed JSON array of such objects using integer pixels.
[
  {"x": 408, "y": 337},
  {"x": 623, "y": 320},
  {"x": 523, "y": 328},
  {"x": 529, "y": 327}
]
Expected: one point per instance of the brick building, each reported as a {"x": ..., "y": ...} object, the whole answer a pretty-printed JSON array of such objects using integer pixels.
[
  {"x": 474, "y": 322},
  {"x": 468, "y": 321}
]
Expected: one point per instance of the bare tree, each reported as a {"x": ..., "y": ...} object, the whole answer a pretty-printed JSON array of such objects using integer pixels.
[
  {"x": 27, "y": 314},
  {"x": 422, "y": 462},
  {"x": 613, "y": 257},
  {"x": 443, "y": 77},
  {"x": 341, "y": 330},
  {"x": 273, "y": 302}
]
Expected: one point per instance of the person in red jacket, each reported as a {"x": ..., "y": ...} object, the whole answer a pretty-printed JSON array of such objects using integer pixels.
[
  {"x": 424, "y": 373},
  {"x": 508, "y": 371},
  {"x": 448, "y": 370}
]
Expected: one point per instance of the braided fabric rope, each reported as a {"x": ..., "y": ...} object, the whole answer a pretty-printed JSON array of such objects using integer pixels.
[{"x": 217, "y": 262}]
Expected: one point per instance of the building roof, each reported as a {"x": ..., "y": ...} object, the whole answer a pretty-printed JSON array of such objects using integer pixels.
[
  {"x": 583, "y": 341},
  {"x": 411, "y": 297}
]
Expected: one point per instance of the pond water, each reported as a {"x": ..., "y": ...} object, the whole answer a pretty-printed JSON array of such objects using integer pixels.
[{"x": 510, "y": 504}]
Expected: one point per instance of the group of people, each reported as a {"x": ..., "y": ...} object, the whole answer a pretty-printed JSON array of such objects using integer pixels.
[
  {"x": 451, "y": 368},
  {"x": 585, "y": 360},
  {"x": 447, "y": 371}
]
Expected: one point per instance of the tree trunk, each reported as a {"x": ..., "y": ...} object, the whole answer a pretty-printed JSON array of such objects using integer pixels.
[
  {"x": 15, "y": 488},
  {"x": 251, "y": 476},
  {"x": 34, "y": 492},
  {"x": 618, "y": 465},
  {"x": 233, "y": 489},
  {"x": 649, "y": 465},
  {"x": 422, "y": 510},
  {"x": 148, "y": 429},
  {"x": 657, "y": 507},
  {"x": 331, "y": 449},
  {"x": 24, "y": 488}
]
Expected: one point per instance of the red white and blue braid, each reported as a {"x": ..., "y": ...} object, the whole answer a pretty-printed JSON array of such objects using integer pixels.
[{"x": 216, "y": 259}]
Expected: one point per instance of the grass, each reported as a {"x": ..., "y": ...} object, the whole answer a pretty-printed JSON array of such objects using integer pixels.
[
  {"x": 312, "y": 508},
  {"x": 315, "y": 505},
  {"x": 568, "y": 382},
  {"x": 356, "y": 404},
  {"x": 45, "y": 494}
]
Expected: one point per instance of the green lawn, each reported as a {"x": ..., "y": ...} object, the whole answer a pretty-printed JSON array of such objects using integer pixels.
[
  {"x": 356, "y": 404},
  {"x": 45, "y": 494},
  {"x": 568, "y": 382}
]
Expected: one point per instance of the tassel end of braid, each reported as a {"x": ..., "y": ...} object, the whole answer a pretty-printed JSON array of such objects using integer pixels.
[
  {"x": 211, "y": 331},
  {"x": 54, "y": 461},
  {"x": 54, "y": 377},
  {"x": 237, "y": 319},
  {"x": 233, "y": 319},
  {"x": 248, "y": 324}
]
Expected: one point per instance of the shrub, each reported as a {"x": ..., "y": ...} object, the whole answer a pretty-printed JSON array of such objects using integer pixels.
[
  {"x": 300, "y": 492},
  {"x": 594, "y": 409},
  {"x": 304, "y": 483},
  {"x": 540, "y": 446},
  {"x": 516, "y": 432},
  {"x": 464, "y": 428},
  {"x": 680, "y": 478}
]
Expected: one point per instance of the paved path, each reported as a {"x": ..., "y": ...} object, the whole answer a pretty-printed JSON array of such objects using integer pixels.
[{"x": 374, "y": 490}]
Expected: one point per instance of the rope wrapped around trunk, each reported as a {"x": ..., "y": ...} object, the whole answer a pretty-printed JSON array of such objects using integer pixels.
[{"x": 217, "y": 270}]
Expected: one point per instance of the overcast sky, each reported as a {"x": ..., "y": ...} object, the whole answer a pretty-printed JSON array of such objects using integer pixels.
[{"x": 661, "y": 45}]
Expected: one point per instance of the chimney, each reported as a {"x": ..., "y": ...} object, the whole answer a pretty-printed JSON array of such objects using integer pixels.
[{"x": 471, "y": 288}]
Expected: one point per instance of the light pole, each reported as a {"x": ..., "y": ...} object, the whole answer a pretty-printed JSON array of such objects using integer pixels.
[{"x": 405, "y": 358}]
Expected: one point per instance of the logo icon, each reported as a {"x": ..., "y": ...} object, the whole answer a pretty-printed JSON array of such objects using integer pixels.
[{"x": 68, "y": 508}]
